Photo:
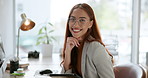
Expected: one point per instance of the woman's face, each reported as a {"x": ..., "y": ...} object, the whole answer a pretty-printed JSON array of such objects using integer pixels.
[{"x": 79, "y": 23}]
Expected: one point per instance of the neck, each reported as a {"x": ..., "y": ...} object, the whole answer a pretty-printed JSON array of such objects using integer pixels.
[{"x": 81, "y": 45}]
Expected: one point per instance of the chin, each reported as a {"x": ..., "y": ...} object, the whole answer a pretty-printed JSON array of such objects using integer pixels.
[{"x": 76, "y": 36}]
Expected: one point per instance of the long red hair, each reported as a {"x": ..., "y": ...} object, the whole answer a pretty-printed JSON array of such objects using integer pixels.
[{"x": 93, "y": 31}]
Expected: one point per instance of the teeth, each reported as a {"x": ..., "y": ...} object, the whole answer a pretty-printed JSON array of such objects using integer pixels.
[{"x": 76, "y": 30}]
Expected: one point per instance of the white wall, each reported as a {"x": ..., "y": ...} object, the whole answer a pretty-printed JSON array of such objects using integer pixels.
[{"x": 7, "y": 26}]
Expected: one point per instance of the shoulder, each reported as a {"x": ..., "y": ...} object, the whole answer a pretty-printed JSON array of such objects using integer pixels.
[
  {"x": 96, "y": 49},
  {"x": 97, "y": 52},
  {"x": 94, "y": 45}
]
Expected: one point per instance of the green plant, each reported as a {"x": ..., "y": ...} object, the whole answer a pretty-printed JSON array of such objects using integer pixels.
[{"x": 44, "y": 36}]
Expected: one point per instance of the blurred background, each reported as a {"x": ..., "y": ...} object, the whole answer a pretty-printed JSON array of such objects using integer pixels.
[{"x": 113, "y": 16}]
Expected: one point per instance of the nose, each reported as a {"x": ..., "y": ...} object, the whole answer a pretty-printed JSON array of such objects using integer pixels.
[{"x": 76, "y": 23}]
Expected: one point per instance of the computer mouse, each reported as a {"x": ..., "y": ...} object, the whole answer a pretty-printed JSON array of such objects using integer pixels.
[{"x": 47, "y": 71}]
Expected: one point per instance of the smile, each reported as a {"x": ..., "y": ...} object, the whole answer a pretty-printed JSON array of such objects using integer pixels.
[{"x": 76, "y": 30}]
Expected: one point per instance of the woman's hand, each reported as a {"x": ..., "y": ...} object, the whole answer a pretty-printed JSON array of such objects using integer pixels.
[{"x": 70, "y": 43}]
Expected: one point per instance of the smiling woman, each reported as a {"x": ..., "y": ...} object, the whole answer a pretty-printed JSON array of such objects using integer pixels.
[
  {"x": 79, "y": 27},
  {"x": 84, "y": 52},
  {"x": 112, "y": 20},
  {"x": 113, "y": 17}
]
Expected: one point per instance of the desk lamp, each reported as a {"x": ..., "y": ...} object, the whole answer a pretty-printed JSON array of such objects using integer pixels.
[{"x": 26, "y": 24}]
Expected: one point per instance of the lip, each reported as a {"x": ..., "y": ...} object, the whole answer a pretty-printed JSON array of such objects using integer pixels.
[{"x": 76, "y": 30}]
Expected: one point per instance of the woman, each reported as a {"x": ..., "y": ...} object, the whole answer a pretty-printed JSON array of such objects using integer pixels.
[{"x": 84, "y": 52}]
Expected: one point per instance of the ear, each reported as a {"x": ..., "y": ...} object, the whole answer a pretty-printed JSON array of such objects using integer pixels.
[{"x": 91, "y": 23}]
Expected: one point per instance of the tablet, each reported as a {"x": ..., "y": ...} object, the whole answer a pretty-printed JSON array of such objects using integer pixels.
[{"x": 72, "y": 75}]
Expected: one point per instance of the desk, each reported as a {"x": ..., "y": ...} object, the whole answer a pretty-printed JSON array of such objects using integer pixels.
[{"x": 41, "y": 63}]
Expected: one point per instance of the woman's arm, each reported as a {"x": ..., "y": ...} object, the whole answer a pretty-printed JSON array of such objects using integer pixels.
[
  {"x": 71, "y": 42},
  {"x": 67, "y": 59}
]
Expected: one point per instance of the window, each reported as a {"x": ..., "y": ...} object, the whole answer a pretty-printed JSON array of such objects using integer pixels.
[
  {"x": 114, "y": 19},
  {"x": 113, "y": 16},
  {"x": 143, "y": 32},
  {"x": 39, "y": 12}
]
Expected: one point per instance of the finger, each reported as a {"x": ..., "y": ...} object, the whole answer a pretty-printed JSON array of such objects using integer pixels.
[{"x": 76, "y": 42}]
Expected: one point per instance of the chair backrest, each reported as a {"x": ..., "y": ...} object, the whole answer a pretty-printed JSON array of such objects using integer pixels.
[{"x": 129, "y": 71}]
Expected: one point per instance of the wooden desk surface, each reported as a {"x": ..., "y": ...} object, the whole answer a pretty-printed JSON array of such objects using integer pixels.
[{"x": 42, "y": 63}]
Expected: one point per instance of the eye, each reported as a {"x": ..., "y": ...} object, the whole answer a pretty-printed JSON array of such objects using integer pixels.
[
  {"x": 82, "y": 20},
  {"x": 72, "y": 19}
]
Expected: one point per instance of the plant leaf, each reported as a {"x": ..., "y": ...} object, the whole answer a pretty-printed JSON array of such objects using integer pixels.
[
  {"x": 45, "y": 28},
  {"x": 50, "y": 31},
  {"x": 38, "y": 43},
  {"x": 43, "y": 34},
  {"x": 41, "y": 37},
  {"x": 40, "y": 31},
  {"x": 50, "y": 24},
  {"x": 53, "y": 38}
]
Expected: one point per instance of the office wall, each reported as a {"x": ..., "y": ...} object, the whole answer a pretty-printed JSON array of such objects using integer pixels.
[{"x": 7, "y": 26}]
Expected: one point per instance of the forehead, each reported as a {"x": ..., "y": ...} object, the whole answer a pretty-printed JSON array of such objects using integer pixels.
[{"x": 77, "y": 13}]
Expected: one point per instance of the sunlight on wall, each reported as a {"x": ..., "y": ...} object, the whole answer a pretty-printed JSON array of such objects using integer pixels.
[{"x": 61, "y": 8}]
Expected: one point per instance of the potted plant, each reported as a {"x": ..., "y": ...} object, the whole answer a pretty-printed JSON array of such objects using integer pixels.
[{"x": 45, "y": 39}]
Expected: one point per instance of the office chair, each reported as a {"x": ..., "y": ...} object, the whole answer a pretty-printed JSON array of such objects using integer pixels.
[{"x": 129, "y": 71}]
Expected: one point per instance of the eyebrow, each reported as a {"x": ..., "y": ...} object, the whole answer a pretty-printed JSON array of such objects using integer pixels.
[
  {"x": 82, "y": 17},
  {"x": 79, "y": 17}
]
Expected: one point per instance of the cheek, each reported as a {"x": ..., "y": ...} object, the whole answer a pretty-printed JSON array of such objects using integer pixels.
[
  {"x": 85, "y": 30},
  {"x": 70, "y": 29}
]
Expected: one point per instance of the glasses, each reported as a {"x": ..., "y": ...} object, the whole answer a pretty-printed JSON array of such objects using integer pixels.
[{"x": 81, "y": 21}]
